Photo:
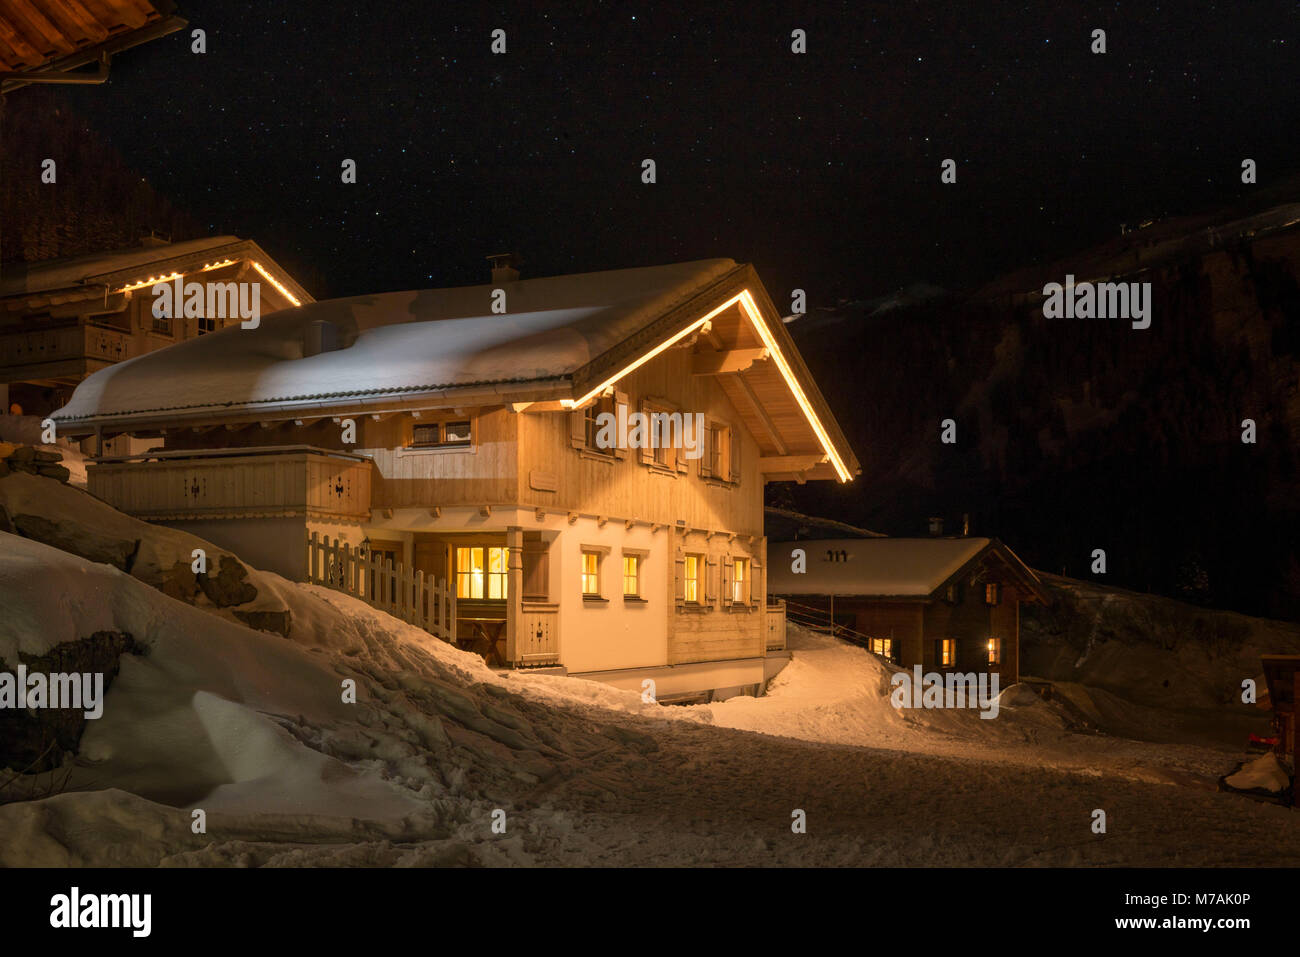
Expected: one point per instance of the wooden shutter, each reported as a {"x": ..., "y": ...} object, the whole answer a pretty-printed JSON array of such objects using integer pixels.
[
  {"x": 733, "y": 467},
  {"x": 706, "y": 444},
  {"x": 620, "y": 450},
  {"x": 646, "y": 453},
  {"x": 537, "y": 570},
  {"x": 757, "y": 586},
  {"x": 709, "y": 579},
  {"x": 679, "y": 577},
  {"x": 578, "y": 429},
  {"x": 728, "y": 570}
]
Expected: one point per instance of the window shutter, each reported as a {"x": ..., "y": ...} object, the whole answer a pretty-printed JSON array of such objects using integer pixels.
[
  {"x": 646, "y": 453},
  {"x": 578, "y": 429},
  {"x": 727, "y": 572},
  {"x": 536, "y": 571},
  {"x": 757, "y": 584},
  {"x": 706, "y": 445},
  {"x": 679, "y": 454},
  {"x": 733, "y": 468},
  {"x": 710, "y": 575},
  {"x": 679, "y": 577},
  {"x": 620, "y": 449}
]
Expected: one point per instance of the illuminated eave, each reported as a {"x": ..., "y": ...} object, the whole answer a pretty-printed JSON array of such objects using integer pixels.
[
  {"x": 208, "y": 267},
  {"x": 750, "y": 308}
]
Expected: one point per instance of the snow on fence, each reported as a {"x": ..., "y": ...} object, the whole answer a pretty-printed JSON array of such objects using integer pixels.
[
  {"x": 819, "y": 619},
  {"x": 428, "y": 604}
]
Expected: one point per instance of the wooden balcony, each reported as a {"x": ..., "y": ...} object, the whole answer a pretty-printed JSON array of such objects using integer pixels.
[
  {"x": 69, "y": 351},
  {"x": 273, "y": 482}
]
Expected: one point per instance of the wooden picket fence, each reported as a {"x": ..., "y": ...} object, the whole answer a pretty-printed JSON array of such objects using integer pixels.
[{"x": 396, "y": 589}]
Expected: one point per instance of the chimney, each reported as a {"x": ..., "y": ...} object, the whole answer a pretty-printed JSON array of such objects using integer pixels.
[
  {"x": 503, "y": 267},
  {"x": 936, "y": 526}
]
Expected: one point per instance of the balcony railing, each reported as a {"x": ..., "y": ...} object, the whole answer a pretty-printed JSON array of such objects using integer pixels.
[
  {"x": 266, "y": 482},
  {"x": 72, "y": 342}
]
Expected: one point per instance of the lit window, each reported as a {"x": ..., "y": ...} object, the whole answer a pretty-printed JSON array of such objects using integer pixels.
[
  {"x": 995, "y": 651},
  {"x": 469, "y": 573},
  {"x": 946, "y": 652},
  {"x": 482, "y": 572},
  {"x": 740, "y": 580},
  {"x": 631, "y": 576},
  {"x": 992, "y": 592},
  {"x": 590, "y": 574},
  {"x": 498, "y": 572},
  {"x": 883, "y": 646},
  {"x": 692, "y": 570}
]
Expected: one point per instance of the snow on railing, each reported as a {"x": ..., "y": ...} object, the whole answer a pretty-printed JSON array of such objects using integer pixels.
[
  {"x": 819, "y": 619},
  {"x": 394, "y": 588}
]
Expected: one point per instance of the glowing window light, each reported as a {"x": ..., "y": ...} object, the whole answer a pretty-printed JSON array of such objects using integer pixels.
[
  {"x": 750, "y": 309},
  {"x": 279, "y": 287}
]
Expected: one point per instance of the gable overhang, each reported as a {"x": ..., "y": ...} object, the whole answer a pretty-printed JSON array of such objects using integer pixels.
[
  {"x": 742, "y": 292},
  {"x": 996, "y": 552}
]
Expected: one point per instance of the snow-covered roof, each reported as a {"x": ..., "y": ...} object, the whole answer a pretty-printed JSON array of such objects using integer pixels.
[
  {"x": 395, "y": 344},
  {"x": 878, "y": 567}
]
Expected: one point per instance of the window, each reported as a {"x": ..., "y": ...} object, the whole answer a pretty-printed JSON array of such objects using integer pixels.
[
  {"x": 693, "y": 573},
  {"x": 883, "y": 646},
  {"x": 995, "y": 651},
  {"x": 207, "y": 325},
  {"x": 456, "y": 433},
  {"x": 590, "y": 574},
  {"x": 945, "y": 652},
  {"x": 716, "y": 462},
  {"x": 992, "y": 593},
  {"x": 440, "y": 435},
  {"x": 591, "y": 424},
  {"x": 954, "y": 594},
  {"x": 162, "y": 325},
  {"x": 740, "y": 580},
  {"x": 482, "y": 572},
  {"x": 631, "y": 576}
]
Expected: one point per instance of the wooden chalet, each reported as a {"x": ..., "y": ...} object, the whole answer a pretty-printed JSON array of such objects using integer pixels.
[
  {"x": 476, "y": 497},
  {"x": 64, "y": 319},
  {"x": 947, "y": 604}
]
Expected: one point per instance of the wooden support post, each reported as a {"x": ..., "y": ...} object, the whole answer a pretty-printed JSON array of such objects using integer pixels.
[{"x": 514, "y": 591}]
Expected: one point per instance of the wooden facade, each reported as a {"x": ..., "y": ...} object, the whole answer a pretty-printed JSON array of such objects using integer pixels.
[
  {"x": 623, "y": 563},
  {"x": 965, "y": 620}
]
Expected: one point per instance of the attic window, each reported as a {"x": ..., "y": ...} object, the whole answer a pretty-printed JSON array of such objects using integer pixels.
[{"x": 992, "y": 593}]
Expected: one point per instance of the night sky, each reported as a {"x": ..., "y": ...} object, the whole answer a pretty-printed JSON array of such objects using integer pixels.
[{"x": 822, "y": 168}]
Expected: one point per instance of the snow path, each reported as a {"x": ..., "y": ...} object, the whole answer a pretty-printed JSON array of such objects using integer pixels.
[{"x": 249, "y": 726}]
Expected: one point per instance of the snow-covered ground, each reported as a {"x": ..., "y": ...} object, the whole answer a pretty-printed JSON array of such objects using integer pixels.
[{"x": 251, "y": 727}]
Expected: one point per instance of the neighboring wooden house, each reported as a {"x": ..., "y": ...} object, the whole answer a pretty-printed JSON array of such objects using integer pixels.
[
  {"x": 477, "y": 460},
  {"x": 943, "y": 603},
  {"x": 63, "y": 319}
]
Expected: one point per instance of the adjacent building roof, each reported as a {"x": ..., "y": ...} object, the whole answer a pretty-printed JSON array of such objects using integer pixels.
[
  {"x": 135, "y": 266},
  {"x": 559, "y": 339},
  {"x": 887, "y": 568},
  {"x": 58, "y": 37}
]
